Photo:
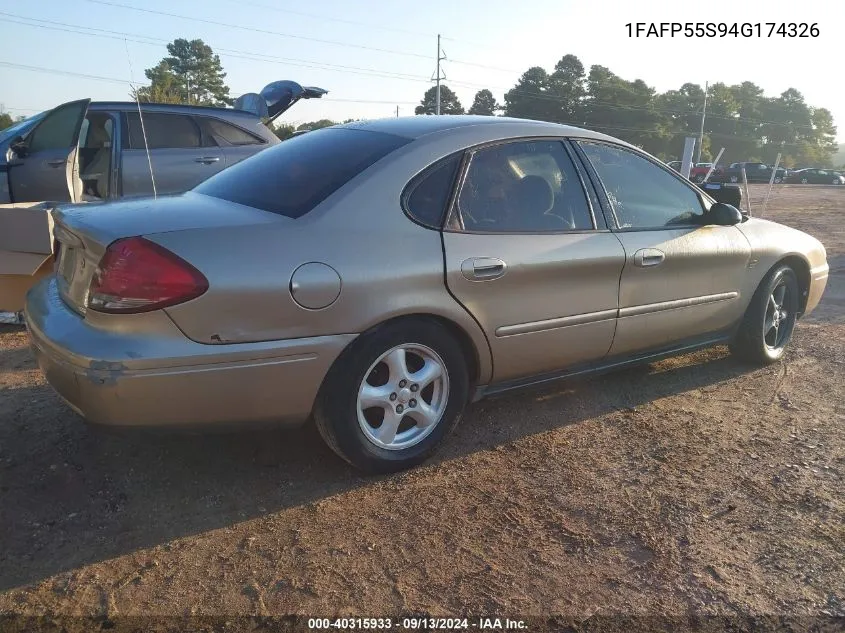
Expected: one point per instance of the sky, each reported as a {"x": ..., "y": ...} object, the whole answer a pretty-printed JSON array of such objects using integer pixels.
[{"x": 374, "y": 56}]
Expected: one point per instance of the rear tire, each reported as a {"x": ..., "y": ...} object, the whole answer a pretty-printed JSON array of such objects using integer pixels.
[
  {"x": 769, "y": 321},
  {"x": 414, "y": 378}
]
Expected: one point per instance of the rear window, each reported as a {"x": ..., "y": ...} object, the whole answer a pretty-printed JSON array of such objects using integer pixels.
[{"x": 294, "y": 176}]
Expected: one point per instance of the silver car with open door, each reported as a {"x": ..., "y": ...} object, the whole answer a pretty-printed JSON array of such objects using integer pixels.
[{"x": 85, "y": 151}]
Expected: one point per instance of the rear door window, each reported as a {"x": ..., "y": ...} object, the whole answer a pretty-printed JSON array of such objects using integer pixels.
[
  {"x": 522, "y": 186},
  {"x": 162, "y": 130},
  {"x": 293, "y": 177}
]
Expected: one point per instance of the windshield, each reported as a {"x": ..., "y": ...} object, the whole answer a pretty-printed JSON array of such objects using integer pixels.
[{"x": 21, "y": 127}]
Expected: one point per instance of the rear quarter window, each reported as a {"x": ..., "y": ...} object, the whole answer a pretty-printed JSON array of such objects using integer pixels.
[
  {"x": 219, "y": 132},
  {"x": 426, "y": 196},
  {"x": 293, "y": 177}
]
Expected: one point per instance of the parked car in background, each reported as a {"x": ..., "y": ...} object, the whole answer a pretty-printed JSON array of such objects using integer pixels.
[
  {"x": 700, "y": 170},
  {"x": 87, "y": 151},
  {"x": 378, "y": 276},
  {"x": 816, "y": 177},
  {"x": 754, "y": 172},
  {"x": 675, "y": 164}
]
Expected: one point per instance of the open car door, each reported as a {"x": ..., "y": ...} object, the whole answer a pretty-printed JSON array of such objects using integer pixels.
[
  {"x": 44, "y": 165},
  {"x": 276, "y": 98}
]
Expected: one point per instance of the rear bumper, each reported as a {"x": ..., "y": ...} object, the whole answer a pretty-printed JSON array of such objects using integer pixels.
[{"x": 161, "y": 378}]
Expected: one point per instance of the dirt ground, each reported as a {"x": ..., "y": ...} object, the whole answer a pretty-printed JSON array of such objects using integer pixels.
[{"x": 696, "y": 486}]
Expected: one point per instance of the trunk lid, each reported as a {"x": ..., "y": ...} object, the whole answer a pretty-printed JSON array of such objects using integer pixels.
[
  {"x": 83, "y": 232},
  {"x": 276, "y": 98}
]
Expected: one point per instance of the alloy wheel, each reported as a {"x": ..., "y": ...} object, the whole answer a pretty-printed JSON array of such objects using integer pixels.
[
  {"x": 403, "y": 396},
  {"x": 777, "y": 320}
]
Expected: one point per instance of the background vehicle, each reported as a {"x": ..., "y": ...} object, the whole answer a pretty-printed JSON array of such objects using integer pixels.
[
  {"x": 754, "y": 172},
  {"x": 84, "y": 151},
  {"x": 379, "y": 275},
  {"x": 816, "y": 177},
  {"x": 700, "y": 170}
]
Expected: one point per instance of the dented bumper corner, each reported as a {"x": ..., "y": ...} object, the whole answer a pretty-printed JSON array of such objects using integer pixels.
[{"x": 162, "y": 378}]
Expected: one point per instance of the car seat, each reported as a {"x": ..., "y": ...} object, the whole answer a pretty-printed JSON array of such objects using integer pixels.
[
  {"x": 96, "y": 174},
  {"x": 531, "y": 200}
]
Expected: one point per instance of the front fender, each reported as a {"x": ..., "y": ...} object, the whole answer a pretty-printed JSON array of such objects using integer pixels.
[{"x": 772, "y": 243}]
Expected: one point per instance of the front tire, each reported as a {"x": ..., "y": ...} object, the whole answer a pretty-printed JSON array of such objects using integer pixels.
[
  {"x": 393, "y": 395},
  {"x": 769, "y": 321}
]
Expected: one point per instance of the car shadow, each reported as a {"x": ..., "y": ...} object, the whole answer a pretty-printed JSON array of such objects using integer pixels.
[{"x": 71, "y": 495}]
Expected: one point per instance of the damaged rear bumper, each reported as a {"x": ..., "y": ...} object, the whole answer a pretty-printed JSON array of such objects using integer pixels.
[{"x": 162, "y": 378}]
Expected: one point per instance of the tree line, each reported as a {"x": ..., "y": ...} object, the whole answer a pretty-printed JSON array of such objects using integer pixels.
[{"x": 740, "y": 118}]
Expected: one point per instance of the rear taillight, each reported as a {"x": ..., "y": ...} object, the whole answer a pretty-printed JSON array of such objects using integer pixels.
[{"x": 137, "y": 275}]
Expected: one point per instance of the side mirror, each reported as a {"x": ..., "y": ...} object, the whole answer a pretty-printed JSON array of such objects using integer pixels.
[
  {"x": 18, "y": 146},
  {"x": 723, "y": 214}
]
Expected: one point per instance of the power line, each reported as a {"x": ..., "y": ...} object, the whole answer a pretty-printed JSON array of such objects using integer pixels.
[
  {"x": 358, "y": 70},
  {"x": 257, "y": 30},
  {"x": 388, "y": 101},
  {"x": 328, "y": 18},
  {"x": 226, "y": 52},
  {"x": 497, "y": 68},
  {"x": 56, "y": 71}
]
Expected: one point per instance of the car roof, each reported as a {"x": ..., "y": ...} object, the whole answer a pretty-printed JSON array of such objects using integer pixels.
[
  {"x": 165, "y": 107},
  {"x": 417, "y": 126}
]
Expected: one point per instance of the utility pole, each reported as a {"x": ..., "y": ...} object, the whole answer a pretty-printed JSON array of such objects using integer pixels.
[
  {"x": 397, "y": 112},
  {"x": 439, "y": 76},
  {"x": 701, "y": 131}
]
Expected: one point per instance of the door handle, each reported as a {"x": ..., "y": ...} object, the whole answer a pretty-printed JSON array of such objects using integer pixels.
[
  {"x": 483, "y": 268},
  {"x": 57, "y": 162},
  {"x": 646, "y": 257},
  {"x": 207, "y": 160}
]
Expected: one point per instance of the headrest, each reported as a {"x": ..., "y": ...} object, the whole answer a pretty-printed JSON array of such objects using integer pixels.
[{"x": 535, "y": 194}]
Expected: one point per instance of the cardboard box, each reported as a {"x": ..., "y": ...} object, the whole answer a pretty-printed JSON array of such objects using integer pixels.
[{"x": 26, "y": 250}]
